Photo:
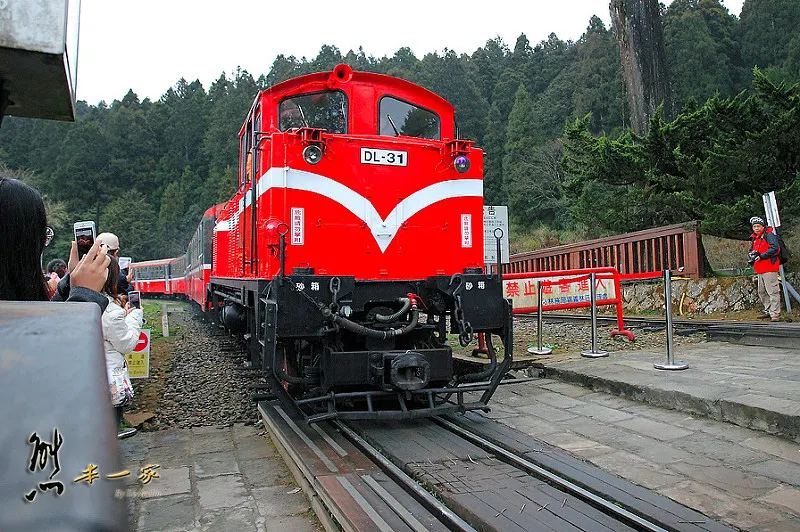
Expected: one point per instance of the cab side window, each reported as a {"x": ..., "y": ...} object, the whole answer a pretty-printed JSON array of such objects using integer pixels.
[
  {"x": 396, "y": 117},
  {"x": 245, "y": 143}
]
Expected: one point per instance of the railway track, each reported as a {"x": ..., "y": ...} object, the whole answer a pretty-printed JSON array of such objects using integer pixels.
[
  {"x": 782, "y": 334},
  {"x": 460, "y": 473}
]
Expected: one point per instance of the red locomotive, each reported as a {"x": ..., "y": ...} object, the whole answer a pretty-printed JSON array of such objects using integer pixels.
[{"x": 353, "y": 245}]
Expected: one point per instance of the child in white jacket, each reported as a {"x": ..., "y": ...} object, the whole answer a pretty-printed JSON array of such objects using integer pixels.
[{"x": 121, "y": 329}]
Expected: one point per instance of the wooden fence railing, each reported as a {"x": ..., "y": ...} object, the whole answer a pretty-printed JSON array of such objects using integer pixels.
[{"x": 674, "y": 247}]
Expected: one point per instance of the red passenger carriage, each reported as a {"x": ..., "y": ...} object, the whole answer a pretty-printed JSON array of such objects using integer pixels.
[
  {"x": 150, "y": 276},
  {"x": 199, "y": 257}
]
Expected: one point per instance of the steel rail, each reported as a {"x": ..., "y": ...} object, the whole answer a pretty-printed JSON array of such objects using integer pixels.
[
  {"x": 581, "y": 493},
  {"x": 436, "y": 507},
  {"x": 677, "y": 323}
]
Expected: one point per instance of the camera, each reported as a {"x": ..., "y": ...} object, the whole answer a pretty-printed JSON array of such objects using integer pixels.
[{"x": 753, "y": 256}]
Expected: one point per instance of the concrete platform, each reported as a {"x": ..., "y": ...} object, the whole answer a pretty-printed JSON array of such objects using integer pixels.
[
  {"x": 663, "y": 430},
  {"x": 214, "y": 479},
  {"x": 750, "y": 386}
]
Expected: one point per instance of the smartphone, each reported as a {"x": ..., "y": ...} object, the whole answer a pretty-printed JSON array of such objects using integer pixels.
[
  {"x": 85, "y": 234},
  {"x": 135, "y": 299},
  {"x": 124, "y": 262}
]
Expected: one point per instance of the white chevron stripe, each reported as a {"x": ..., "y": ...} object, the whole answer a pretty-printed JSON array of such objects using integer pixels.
[{"x": 383, "y": 230}]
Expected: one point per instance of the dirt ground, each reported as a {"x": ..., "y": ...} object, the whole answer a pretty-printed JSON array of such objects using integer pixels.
[{"x": 149, "y": 392}]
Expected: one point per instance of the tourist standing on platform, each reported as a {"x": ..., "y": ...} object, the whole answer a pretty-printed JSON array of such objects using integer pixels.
[
  {"x": 121, "y": 328},
  {"x": 111, "y": 243},
  {"x": 764, "y": 253}
]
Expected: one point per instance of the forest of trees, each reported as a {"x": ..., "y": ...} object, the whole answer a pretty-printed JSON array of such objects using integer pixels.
[{"x": 552, "y": 118}]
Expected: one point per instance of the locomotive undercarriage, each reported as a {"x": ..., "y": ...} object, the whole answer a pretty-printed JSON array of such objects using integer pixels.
[{"x": 337, "y": 347}]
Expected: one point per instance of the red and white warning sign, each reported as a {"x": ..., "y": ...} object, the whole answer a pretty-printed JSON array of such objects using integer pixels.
[{"x": 139, "y": 359}]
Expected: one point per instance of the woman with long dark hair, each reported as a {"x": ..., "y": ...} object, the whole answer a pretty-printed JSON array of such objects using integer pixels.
[
  {"x": 23, "y": 228},
  {"x": 121, "y": 327},
  {"x": 23, "y": 231}
]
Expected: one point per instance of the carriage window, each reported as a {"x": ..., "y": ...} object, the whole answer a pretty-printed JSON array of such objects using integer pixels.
[
  {"x": 397, "y": 117},
  {"x": 325, "y": 110}
]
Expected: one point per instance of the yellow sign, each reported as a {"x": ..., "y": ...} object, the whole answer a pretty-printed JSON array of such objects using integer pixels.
[
  {"x": 564, "y": 290},
  {"x": 139, "y": 359}
]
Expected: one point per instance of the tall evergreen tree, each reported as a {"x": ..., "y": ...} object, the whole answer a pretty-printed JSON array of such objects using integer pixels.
[
  {"x": 517, "y": 167},
  {"x": 598, "y": 80},
  {"x": 702, "y": 52},
  {"x": 768, "y": 27},
  {"x": 494, "y": 140},
  {"x": 488, "y": 63},
  {"x": 448, "y": 76},
  {"x": 131, "y": 217}
]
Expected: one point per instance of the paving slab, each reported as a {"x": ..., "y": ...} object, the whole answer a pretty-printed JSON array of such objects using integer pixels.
[
  {"x": 212, "y": 442},
  {"x": 170, "y": 481},
  {"x": 169, "y": 455},
  {"x": 174, "y": 512},
  {"x": 653, "y": 429},
  {"x": 295, "y": 523},
  {"x": 786, "y": 497},
  {"x": 638, "y": 470},
  {"x": 238, "y": 519},
  {"x": 777, "y": 470},
  {"x": 279, "y": 501},
  {"x": 717, "y": 503},
  {"x": 214, "y": 464},
  {"x": 225, "y": 491},
  {"x": 265, "y": 472},
  {"x": 786, "y": 450},
  {"x": 723, "y": 451}
]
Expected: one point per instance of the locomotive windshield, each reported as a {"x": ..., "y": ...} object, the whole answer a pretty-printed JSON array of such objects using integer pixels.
[
  {"x": 325, "y": 110},
  {"x": 401, "y": 118}
]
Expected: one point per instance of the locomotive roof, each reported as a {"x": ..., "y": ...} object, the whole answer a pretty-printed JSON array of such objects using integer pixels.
[
  {"x": 156, "y": 262},
  {"x": 312, "y": 82},
  {"x": 342, "y": 77}
]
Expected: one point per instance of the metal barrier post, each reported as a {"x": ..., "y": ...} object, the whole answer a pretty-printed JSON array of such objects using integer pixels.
[
  {"x": 539, "y": 349},
  {"x": 594, "y": 352},
  {"x": 671, "y": 364},
  {"x": 164, "y": 320}
]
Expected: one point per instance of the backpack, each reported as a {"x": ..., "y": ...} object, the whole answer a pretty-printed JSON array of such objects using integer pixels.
[{"x": 783, "y": 253}]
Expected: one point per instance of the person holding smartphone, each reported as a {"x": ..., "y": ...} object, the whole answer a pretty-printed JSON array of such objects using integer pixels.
[
  {"x": 111, "y": 243},
  {"x": 122, "y": 325},
  {"x": 23, "y": 234}
]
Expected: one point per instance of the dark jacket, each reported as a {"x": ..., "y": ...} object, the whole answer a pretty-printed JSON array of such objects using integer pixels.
[
  {"x": 767, "y": 247},
  {"x": 123, "y": 286},
  {"x": 78, "y": 294}
]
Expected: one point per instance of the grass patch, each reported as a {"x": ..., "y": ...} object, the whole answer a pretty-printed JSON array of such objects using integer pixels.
[
  {"x": 152, "y": 313},
  {"x": 543, "y": 237}
]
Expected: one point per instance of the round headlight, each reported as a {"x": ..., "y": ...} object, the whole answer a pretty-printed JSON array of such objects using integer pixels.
[
  {"x": 461, "y": 163},
  {"x": 312, "y": 154}
]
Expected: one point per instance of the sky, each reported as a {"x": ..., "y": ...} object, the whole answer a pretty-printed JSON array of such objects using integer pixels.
[{"x": 148, "y": 45}]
